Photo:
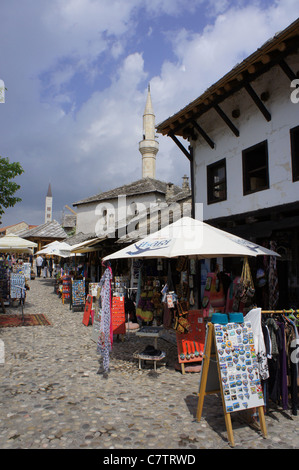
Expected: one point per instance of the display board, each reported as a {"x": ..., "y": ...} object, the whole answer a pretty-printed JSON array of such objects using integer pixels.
[
  {"x": 231, "y": 348},
  {"x": 190, "y": 345},
  {"x": 17, "y": 283},
  {"x": 118, "y": 315},
  {"x": 87, "y": 311},
  {"x": 66, "y": 288},
  {"x": 239, "y": 372},
  {"x": 78, "y": 293}
]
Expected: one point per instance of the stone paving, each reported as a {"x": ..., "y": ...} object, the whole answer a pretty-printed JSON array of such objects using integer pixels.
[{"x": 52, "y": 396}]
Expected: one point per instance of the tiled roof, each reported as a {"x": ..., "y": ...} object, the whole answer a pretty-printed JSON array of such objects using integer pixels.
[
  {"x": 142, "y": 186},
  {"x": 48, "y": 230},
  {"x": 79, "y": 238}
]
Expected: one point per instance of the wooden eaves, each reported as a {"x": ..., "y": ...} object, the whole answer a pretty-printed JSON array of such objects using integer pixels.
[{"x": 274, "y": 52}]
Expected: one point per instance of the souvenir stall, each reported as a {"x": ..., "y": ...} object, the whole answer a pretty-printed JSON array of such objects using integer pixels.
[
  {"x": 14, "y": 282},
  {"x": 183, "y": 241}
]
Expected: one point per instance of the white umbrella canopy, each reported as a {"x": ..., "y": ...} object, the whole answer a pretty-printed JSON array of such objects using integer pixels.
[
  {"x": 61, "y": 249},
  {"x": 192, "y": 238},
  {"x": 11, "y": 243}
]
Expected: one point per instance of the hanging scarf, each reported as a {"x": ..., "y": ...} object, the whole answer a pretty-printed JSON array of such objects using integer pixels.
[
  {"x": 105, "y": 339},
  {"x": 273, "y": 280}
]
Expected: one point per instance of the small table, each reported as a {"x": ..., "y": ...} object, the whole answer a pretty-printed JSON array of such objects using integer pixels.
[
  {"x": 155, "y": 359},
  {"x": 150, "y": 332}
]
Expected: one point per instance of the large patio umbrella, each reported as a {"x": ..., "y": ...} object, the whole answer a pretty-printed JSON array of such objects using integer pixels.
[
  {"x": 56, "y": 248},
  {"x": 192, "y": 238},
  {"x": 11, "y": 243}
]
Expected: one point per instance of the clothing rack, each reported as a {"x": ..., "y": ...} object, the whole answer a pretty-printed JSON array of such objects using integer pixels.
[
  {"x": 281, "y": 311},
  {"x": 281, "y": 386}
]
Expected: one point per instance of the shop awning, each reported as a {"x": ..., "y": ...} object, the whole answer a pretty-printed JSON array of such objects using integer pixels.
[
  {"x": 87, "y": 246},
  {"x": 192, "y": 238},
  {"x": 11, "y": 243}
]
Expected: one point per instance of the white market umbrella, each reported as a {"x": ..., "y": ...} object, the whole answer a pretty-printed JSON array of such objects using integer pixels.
[
  {"x": 55, "y": 243},
  {"x": 61, "y": 249},
  {"x": 12, "y": 243},
  {"x": 192, "y": 238}
]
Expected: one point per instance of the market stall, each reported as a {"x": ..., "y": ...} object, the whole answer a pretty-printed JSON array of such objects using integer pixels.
[
  {"x": 181, "y": 242},
  {"x": 14, "y": 273}
]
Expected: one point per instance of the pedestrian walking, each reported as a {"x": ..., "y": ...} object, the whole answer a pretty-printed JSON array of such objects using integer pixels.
[
  {"x": 39, "y": 263},
  {"x": 45, "y": 267},
  {"x": 51, "y": 266}
]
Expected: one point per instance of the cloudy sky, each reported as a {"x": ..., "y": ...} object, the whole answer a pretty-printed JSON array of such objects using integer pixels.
[{"x": 76, "y": 74}]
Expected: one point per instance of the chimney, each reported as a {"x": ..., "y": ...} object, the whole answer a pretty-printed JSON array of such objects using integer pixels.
[
  {"x": 169, "y": 191},
  {"x": 185, "y": 185}
]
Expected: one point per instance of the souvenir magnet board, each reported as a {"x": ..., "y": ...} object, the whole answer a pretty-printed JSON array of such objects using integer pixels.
[{"x": 239, "y": 373}]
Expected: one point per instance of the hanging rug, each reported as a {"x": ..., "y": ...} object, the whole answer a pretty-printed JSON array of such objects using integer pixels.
[{"x": 10, "y": 320}]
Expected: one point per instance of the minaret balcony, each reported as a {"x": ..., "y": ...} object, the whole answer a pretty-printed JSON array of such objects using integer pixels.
[{"x": 148, "y": 146}]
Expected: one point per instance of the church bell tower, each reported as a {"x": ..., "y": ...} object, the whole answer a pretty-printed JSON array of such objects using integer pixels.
[{"x": 48, "y": 208}]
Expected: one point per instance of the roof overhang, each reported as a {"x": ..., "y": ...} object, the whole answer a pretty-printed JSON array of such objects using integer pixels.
[
  {"x": 87, "y": 246},
  {"x": 272, "y": 53}
]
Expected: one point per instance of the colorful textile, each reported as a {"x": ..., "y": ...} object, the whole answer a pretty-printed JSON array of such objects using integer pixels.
[
  {"x": 105, "y": 338},
  {"x": 11, "y": 320},
  {"x": 273, "y": 280}
]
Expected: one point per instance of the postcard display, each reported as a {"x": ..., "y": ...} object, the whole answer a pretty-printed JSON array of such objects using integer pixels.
[
  {"x": 234, "y": 373},
  {"x": 78, "y": 293},
  {"x": 240, "y": 378},
  {"x": 17, "y": 284}
]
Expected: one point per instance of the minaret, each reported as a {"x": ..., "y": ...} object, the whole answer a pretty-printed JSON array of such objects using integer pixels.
[
  {"x": 48, "y": 209},
  {"x": 148, "y": 147}
]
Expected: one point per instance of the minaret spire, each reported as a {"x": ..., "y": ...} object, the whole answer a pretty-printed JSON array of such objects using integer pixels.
[{"x": 148, "y": 147}]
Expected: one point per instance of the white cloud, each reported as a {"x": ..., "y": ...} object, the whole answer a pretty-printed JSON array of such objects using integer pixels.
[{"x": 84, "y": 138}]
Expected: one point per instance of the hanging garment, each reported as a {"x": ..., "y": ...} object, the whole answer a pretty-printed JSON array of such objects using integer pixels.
[
  {"x": 273, "y": 280},
  {"x": 292, "y": 373},
  {"x": 283, "y": 369},
  {"x": 105, "y": 338},
  {"x": 254, "y": 317},
  {"x": 274, "y": 384}
]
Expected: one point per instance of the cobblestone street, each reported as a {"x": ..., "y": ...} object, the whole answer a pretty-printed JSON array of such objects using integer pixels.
[{"x": 52, "y": 396}]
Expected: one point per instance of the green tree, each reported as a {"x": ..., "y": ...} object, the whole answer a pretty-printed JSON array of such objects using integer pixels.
[{"x": 8, "y": 188}]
